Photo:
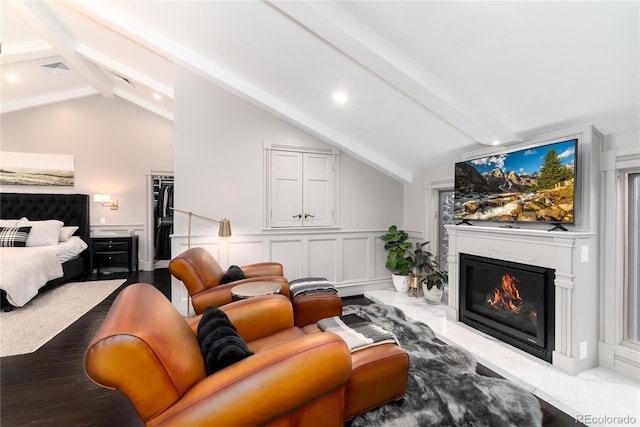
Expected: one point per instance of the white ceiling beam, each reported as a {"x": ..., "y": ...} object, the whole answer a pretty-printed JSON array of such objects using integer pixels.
[
  {"x": 50, "y": 98},
  {"x": 124, "y": 70},
  {"x": 26, "y": 51},
  {"x": 183, "y": 56},
  {"x": 143, "y": 103},
  {"x": 38, "y": 16},
  {"x": 122, "y": 24},
  {"x": 347, "y": 34}
]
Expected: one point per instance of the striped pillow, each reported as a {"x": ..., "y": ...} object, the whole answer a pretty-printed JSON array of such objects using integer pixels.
[{"x": 14, "y": 237}]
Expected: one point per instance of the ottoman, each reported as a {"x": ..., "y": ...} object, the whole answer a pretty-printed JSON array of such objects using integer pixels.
[
  {"x": 313, "y": 298},
  {"x": 378, "y": 376}
]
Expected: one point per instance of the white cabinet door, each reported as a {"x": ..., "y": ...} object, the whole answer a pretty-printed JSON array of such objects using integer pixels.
[
  {"x": 317, "y": 195},
  {"x": 286, "y": 189},
  {"x": 302, "y": 189}
]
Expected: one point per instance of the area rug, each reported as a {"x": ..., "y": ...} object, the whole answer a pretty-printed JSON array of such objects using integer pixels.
[
  {"x": 25, "y": 329},
  {"x": 443, "y": 387}
]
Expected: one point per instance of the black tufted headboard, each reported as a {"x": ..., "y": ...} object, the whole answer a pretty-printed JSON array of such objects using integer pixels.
[{"x": 72, "y": 209}]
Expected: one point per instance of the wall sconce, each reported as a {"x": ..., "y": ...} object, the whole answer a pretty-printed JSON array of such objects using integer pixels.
[
  {"x": 105, "y": 200},
  {"x": 223, "y": 231}
]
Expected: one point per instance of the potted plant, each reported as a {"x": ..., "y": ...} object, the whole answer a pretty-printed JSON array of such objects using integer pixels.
[
  {"x": 431, "y": 277},
  {"x": 399, "y": 257}
]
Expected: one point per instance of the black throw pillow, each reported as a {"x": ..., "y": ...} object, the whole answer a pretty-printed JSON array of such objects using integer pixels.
[
  {"x": 233, "y": 273},
  {"x": 220, "y": 343}
]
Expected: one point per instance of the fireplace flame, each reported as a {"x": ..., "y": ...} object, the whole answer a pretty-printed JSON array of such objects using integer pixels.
[{"x": 507, "y": 298}]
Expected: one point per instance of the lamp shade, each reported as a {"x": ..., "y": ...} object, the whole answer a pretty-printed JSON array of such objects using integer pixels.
[
  {"x": 225, "y": 228},
  {"x": 101, "y": 198}
]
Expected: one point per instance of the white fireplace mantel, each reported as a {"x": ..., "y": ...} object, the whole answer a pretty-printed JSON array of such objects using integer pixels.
[{"x": 572, "y": 254}]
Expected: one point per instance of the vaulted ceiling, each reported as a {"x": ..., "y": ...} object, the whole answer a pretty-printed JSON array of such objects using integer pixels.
[{"x": 424, "y": 81}]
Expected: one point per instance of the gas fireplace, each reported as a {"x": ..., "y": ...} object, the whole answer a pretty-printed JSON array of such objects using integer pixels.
[{"x": 510, "y": 301}]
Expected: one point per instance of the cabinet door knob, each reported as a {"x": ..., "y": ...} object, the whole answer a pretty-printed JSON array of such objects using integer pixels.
[
  {"x": 298, "y": 216},
  {"x": 308, "y": 216}
]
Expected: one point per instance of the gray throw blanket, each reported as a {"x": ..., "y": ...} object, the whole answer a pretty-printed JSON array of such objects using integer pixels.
[
  {"x": 359, "y": 333},
  {"x": 311, "y": 285}
]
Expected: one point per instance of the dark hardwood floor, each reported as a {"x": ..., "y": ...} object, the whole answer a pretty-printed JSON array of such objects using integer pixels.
[{"x": 49, "y": 387}]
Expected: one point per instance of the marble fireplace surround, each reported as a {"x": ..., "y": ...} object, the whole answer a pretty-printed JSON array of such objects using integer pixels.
[{"x": 572, "y": 254}]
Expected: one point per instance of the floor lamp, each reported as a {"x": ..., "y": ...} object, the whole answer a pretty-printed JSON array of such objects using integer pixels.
[
  {"x": 225, "y": 225},
  {"x": 224, "y": 231}
]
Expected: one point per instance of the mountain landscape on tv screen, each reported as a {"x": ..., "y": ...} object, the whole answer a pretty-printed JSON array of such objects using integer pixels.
[{"x": 533, "y": 185}]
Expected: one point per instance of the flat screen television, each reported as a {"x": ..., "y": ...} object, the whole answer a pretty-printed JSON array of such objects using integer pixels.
[{"x": 536, "y": 184}]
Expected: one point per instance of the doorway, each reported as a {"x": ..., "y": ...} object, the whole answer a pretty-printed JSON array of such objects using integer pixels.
[{"x": 161, "y": 218}]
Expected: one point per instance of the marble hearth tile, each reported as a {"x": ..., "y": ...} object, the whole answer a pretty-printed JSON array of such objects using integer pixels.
[{"x": 597, "y": 392}]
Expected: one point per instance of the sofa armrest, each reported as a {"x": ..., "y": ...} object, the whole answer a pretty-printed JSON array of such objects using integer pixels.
[
  {"x": 311, "y": 370},
  {"x": 193, "y": 322},
  {"x": 258, "y": 317},
  {"x": 221, "y": 294},
  {"x": 262, "y": 269}
]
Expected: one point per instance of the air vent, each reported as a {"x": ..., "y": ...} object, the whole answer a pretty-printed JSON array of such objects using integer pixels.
[
  {"x": 124, "y": 79},
  {"x": 55, "y": 67}
]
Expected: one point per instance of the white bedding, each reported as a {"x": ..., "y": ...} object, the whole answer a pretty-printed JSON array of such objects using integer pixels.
[
  {"x": 25, "y": 270},
  {"x": 69, "y": 249}
]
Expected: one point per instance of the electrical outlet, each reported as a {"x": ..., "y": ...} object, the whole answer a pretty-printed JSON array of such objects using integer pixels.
[
  {"x": 103, "y": 220},
  {"x": 583, "y": 350},
  {"x": 584, "y": 253}
]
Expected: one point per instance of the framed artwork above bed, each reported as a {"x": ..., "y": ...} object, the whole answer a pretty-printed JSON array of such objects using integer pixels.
[{"x": 36, "y": 169}]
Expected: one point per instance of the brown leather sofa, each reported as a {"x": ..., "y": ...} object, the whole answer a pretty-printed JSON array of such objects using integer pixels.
[
  {"x": 145, "y": 349},
  {"x": 201, "y": 275}
]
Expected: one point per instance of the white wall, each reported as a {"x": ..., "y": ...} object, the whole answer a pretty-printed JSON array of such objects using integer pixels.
[
  {"x": 114, "y": 144},
  {"x": 368, "y": 198},
  {"x": 622, "y": 140},
  {"x": 427, "y": 185},
  {"x": 219, "y": 163},
  {"x": 219, "y": 172},
  {"x": 415, "y": 205}
]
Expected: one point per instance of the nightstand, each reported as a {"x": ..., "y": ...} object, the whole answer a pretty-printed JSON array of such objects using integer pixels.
[{"x": 114, "y": 252}]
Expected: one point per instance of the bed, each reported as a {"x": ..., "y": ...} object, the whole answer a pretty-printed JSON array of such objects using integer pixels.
[{"x": 73, "y": 211}]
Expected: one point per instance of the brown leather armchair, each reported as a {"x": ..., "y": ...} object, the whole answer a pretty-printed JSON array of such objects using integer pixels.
[
  {"x": 145, "y": 349},
  {"x": 201, "y": 275}
]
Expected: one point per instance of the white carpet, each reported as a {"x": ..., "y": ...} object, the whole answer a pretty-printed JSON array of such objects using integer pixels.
[{"x": 26, "y": 329}]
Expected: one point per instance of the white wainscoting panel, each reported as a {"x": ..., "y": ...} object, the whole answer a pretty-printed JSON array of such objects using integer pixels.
[
  {"x": 379, "y": 259},
  {"x": 289, "y": 254},
  {"x": 357, "y": 258},
  {"x": 244, "y": 253},
  {"x": 322, "y": 259}
]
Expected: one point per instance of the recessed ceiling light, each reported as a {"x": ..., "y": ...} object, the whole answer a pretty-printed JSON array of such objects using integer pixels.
[
  {"x": 157, "y": 96},
  {"x": 340, "y": 97},
  {"x": 496, "y": 142},
  {"x": 13, "y": 77}
]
